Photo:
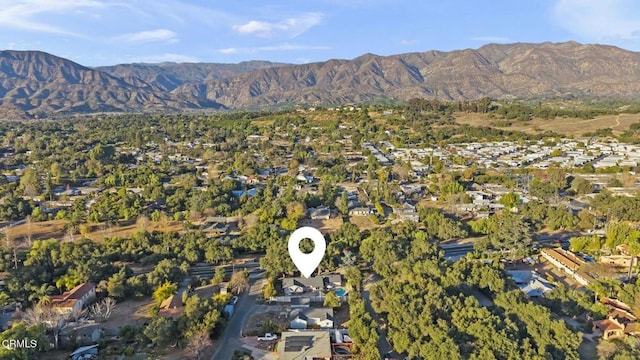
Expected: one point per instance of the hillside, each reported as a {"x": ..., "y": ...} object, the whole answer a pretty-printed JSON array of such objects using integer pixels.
[
  {"x": 497, "y": 71},
  {"x": 36, "y": 83},
  {"x": 168, "y": 76}
]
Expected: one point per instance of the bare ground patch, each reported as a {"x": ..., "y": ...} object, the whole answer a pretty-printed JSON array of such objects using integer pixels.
[
  {"x": 130, "y": 312},
  {"x": 325, "y": 226},
  {"x": 569, "y": 126},
  {"x": 276, "y": 313},
  {"x": 363, "y": 222},
  {"x": 54, "y": 229}
]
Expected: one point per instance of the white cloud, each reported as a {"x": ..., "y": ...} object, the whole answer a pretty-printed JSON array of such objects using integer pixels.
[
  {"x": 291, "y": 27},
  {"x": 22, "y": 14},
  {"x": 406, "y": 42},
  {"x": 158, "y": 35},
  {"x": 167, "y": 57},
  {"x": 259, "y": 28},
  {"x": 278, "y": 47},
  {"x": 599, "y": 20},
  {"x": 229, "y": 51},
  {"x": 491, "y": 39}
]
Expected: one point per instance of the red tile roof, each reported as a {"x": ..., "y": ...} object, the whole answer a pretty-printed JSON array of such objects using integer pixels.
[
  {"x": 81, "y": 290},
  {"x": 607, "y": 325}
]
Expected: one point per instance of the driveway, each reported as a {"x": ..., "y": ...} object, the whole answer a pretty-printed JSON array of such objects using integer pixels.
[{"x": 232, "y": 337}]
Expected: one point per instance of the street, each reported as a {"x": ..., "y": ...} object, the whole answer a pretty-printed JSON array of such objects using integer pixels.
[{"x": 231, "y": 339}]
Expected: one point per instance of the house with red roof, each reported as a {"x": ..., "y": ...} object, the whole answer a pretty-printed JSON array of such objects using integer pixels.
[{"x": 74, "y": 300}]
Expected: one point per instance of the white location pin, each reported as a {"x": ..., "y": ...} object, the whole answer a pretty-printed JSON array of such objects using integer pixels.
[{"x": 307, "y": 263}]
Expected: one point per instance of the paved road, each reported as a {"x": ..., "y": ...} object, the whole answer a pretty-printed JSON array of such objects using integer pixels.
[{"x": 231, "y": 339}]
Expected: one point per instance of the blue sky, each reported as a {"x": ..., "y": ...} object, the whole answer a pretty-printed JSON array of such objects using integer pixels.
[{"x": 106, "y": 32}]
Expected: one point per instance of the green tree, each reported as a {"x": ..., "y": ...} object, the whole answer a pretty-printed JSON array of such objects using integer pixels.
[
  {"x": 343, "y": 204},
  {"x": 582, "y": 186},
  {"x": 29, "y": 182},
  {"x": 510, "y": 200},
  {"x": 331, "y": 300},
  {"x": 162, "y": 331},
  {"x": 36, "y": 335},
  {"x": 511, "y": 233},
  {"x": 543, "y": 190},
  {"x": 353, "y": 276},
  {"x": 269, "y": 290},
  {"x": 557, "y": 178},
  {"x": 164, "y": 291},
  {"x": 102, "y": 154},
  {"x": 218, "y": 276}
]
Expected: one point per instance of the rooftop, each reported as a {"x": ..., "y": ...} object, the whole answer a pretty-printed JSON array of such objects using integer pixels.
[{"x": 304, "y": 344}]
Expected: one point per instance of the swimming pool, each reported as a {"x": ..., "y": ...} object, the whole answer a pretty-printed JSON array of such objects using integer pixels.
[{"x": 340, "y": 292}]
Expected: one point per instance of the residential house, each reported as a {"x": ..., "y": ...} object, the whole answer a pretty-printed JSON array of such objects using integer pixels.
[
  {"x": 216, "y": 230},
  {"x": 80, "y": 333},
  {"x": 304, "y": 318},
  {"x": 320, "y": 213},
  {"x": 567, "y": 262},
  {"x": 530, "y": 282},
  {"x": 308, "y": 179},
  {"x": 406, "y": 211},
  {"x": 172, "y": 307},
  {"x": 297, "y": 345},
  {"x": 619, "y": 322},
  {"x": 361, "y": 211},
  {"x": 248, "y": 192},
  {"x": 217, "y": 226},
  {"x": 299, "y": 285},
  {"x": 74, "y": 300},
  {"x": 206, "y": 291}
]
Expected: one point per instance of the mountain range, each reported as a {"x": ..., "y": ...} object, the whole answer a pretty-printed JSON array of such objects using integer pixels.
[{"x": 36, "y": 84}]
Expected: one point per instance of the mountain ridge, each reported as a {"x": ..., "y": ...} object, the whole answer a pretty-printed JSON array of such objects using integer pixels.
[{"x": 36, "y": 83}]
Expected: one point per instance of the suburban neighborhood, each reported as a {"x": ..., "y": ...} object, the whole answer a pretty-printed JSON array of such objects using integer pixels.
[{"x": 171, "y": 243}]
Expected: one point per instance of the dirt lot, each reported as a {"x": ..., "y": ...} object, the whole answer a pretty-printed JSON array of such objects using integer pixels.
[
  {"x": 129, "y": 312},
  {"x": 325, "y": 226},
  {"x": 55, "y": 229},
  {"x": 618, "y": 123},
  {"x": 277, "y": 313},
  {"x": 363, "y": 222}
]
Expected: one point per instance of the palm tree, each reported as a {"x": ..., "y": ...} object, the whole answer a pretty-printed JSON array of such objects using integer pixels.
[{"x": 42, "y": 294}]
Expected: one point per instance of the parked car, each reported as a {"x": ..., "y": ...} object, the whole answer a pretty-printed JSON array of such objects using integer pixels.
[{"x": 268, "y": 337}]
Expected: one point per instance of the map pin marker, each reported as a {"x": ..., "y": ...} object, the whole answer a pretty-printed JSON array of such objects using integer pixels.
[{"x": 307, "y": 263}]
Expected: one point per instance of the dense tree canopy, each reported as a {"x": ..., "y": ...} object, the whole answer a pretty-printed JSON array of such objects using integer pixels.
[{"x": 432, "y": 312}]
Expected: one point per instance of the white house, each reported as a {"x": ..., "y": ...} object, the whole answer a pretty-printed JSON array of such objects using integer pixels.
[
  {"x": 304, "y": 318},
  {"x": 299, "y": 285},
  {"x": 74, "y": 300},
  {"x": 320, "y": 213}
]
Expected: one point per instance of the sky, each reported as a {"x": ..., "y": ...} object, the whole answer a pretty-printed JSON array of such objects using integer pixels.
[{"x": 107, "y": 32}]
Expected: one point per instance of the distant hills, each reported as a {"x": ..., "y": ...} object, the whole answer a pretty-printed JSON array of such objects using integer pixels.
[{"x": 34, "y": 83}]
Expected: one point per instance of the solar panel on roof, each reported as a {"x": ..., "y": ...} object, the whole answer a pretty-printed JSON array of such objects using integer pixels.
[{"x": 297, "y": 343}]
